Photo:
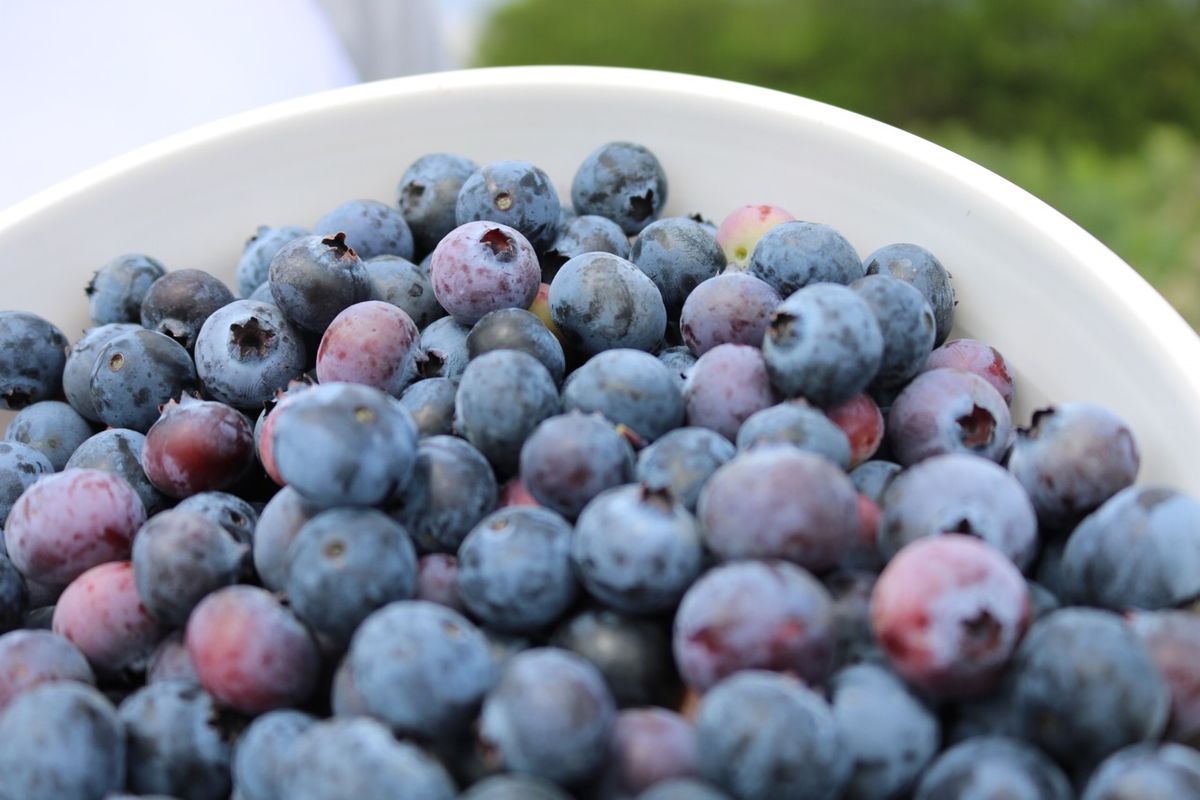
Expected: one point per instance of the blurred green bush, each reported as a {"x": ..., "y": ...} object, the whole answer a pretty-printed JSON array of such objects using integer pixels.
[{"x": 1094, "y": 105}]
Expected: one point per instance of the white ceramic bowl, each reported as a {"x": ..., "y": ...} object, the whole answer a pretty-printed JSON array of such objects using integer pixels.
[{"x": 1075, "y": 321}]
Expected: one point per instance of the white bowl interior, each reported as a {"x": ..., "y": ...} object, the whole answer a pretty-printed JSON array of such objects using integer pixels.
[{"x": 1071, "y": 317}]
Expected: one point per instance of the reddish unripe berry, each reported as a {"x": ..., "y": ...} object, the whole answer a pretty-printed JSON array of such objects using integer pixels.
[
  {"x": 726, "y": 385},
  {"x": 972, "y": 355},
  {"x": 540, "y": 308},
  {"x": 437, "y": 580},
  {"x": 948, "y": 612},
  {"x": 31, "y": 658},
  {"x": 197, "y": 446},
  {"x": 514, "y": 493},
  {"x": 373, "y": 343},
  {"x": 264, "y": 432},
  {"x": 250, "y": 652},
  {"x": 731, "y": 308},
  {"x": 71, "y": 521},
  {"x": 102, "y": 614},
  {"x": 1173, "y": 640},
  {"x": 862, "y": 422},
  {"x": 484, "y": 266},
  {"x": 740, "y": 231},
  {"x": 649, "y": 745}
]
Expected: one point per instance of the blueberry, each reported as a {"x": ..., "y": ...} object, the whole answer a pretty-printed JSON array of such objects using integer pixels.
[
  {"x": 116, "y": 291},
  {"x": 630, "y": 388},
  {"x": 229, "y": 511},
  {"x": 517, "y": 329},
  {"x": 571, "y": 458},
  {"x": 77, "y": 374},
  {"x": 1141, "y": 549},
  {"x": 314, "y": 277},
  {"x": 794, "y": 254},
  {"x": 972, "y": 355},
  {"x": 502, "y": 397},
  {"x": 62, "y": 741},
  {"x": 360, "y": 758},
  {"x": 176, "y": 743},
  {"x": 277, "y": 526},
  {"x": 246, "y": 351},
  {"x": 255, "y": 264},
  {"x": 872, "y": 478},
  {"x": 135, "y": 374},
  {"x": 451, "y": 490},
  {"x": 993, "y": 766},
  {"x": 197, "y": 446},
  {"x": 600, "y": 301},
  {"x": 797, "y": 424},
  {"x": 513, "y": 193},
  {"x": 780, "y": 502},
  {"x": 30, "y": 658},
  {"x": 20, "y": 466},
  {"x": 262, "y": 752},
  {"x": 680, "y": 361},
  {"x": 405, "y": 285},
  {"x": 179, "y": 302},
  {"x": 481, "y": 267},
  {"x": 372, "y": 228},
  {"x": 649, "y": 746},
  {"x": 550, "y": 715},
  {"x": 748, "y": 615},
  {"x": 1173, "y": 640},
  {"x": 421, "y": 668},
  {"x": 119, "y": 451},
  {"x": 678, "y": 254},
  {"x": 949, "y": 411},
  {"x": 371, "y": 343},
  {"x": 513, "y": 787},
  {"x": 583, "y": 234},
  {"x": 427, "y": 194},
  {"x": 622, "y": 181},
  {"x": 682, "y": 789},
  {"x": 727, "y": 385},
  {"x": 915, "y": 265},
  {"x": 632, "y": 653},
  {"x": 514, "y": 569},
  {"x": 262, "y": 294},
  {"x": 682, "y": 462},
  {"x": 890, "y": 734},
  {"x": 14, "y": 596},
  {"x": 171, "y": 662},
  {"x": 431, "y": 403},
  {"x": 1071, "y": 459},
  {"x": 959, "y": 493},
  {"x": 1146, "y": 772},
  {"x": 345, "y": 444},
  {"x": 444, "y": 342},
  {"x": 730, "y": 308},
  {"x": 764, "y": 736},
  {"x": 1083, "y": 686},
  {"x": 32, "y": 358},
  {"x": 178, "y": 558},
  {"x": 906, "y": 322}
]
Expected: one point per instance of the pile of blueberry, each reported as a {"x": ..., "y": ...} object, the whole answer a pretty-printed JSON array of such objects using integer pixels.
[{"x": 481, "y": 495}]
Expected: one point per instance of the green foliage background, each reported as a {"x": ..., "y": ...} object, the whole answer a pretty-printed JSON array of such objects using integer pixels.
[{"x": 1093, "y": 105}]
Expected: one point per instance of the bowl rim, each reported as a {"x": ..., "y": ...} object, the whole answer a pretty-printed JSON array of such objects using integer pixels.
[{"x": 1151, "y": 309}]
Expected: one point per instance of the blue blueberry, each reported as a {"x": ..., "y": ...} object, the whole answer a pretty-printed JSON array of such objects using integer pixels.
[
  {"x": 796, "y": 424},
  {"x": 255, "y": 264},
  {"x": 1141, "y": 549},
  {"x": 1083, "y": 686},
  {"x": 227, "y": 510},
  {"x": 431, "y": 403},
  {"x": 993, "y": 767},
  {"x": 513, "y": 193},
  {"x": 451, "y": 490},
  {"x": 20, "y": 466},
  {"x": 372, "y": 228},
  {"x": 632, "y": 653},
  {"x": 600, "y": 301},
  {"x": 444, "y": 342},
  {"x": 872, "y": 478},
  {"x": 678, "y": 254},
  {"x": 630, "y": 388},
  {"x": 517, "y": 329},
  {"x": 360, "y": 758},
  {"x": 959, "y": 493},
  {"x": 421, "y": 668},
  {"x": 176, "y": 742},
  {"x": 33, "y": 353},
  {"x": 314, "y": 278},
  {"x": 247, "y": 351},
  {"x": 342, "y": 444},
  {"x": 571, "y": 458},
  {"x": 427, "y": 195},
  {"x": 1071, "y": 459},
  {"x": 405, "y": 285},
  {"x": 948, "y": 411},
  {"x": 890, "y": 734},
  {"x": 179, "y": 557},
  {"x": 584, "y": 234},
  {"x": 853, "y": 640},
  {"x": 906, "y": 322},
  {"x": 14, "y": 595},
  {"x": 550, "y": 715},
  {"x": 680, "y": 361},
  {"x": 682, "y": 462},
  {"x": 281, "y": 519},
  {"x": 119, "y": 451},
  {"x": 261, "y": 754},
  {"x": 62, "y": 741},
  {"x": 514, "y": 569},
  {"x": 513, "y": 787},
  {"x": 77, "y": 374},
  {"x": 262, "y": 294},
  {"x": 763, "y": 736},
  {"x": 502, "y": 397},
  {"x": 648, "y": 567},
  {"x": 683, "y": 789},
  {"x": 136, "y": 373},
  {"x": 622, "y": 181},
  {"x": 823, "y": 344},
  {"x": 179, "y": 302},
  {"x": 795, "y": 254},
  {"x": 915, "y": 265},
  {"x": 1146, "y": 772},
  {"x": 116, "y": 291},
  {"x": 51, "y": 427}
]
